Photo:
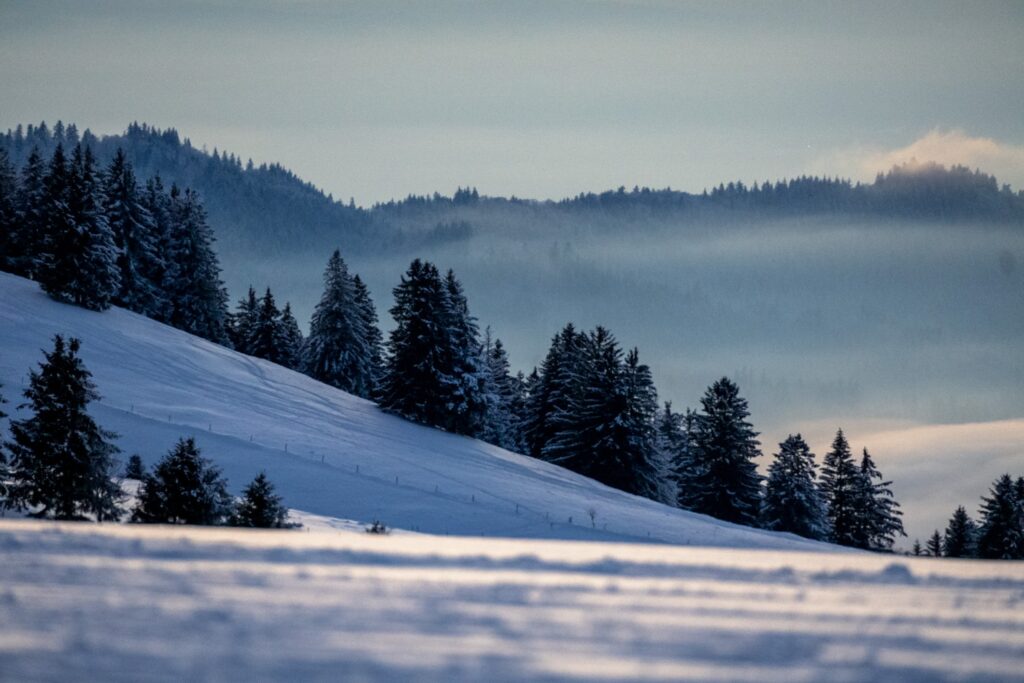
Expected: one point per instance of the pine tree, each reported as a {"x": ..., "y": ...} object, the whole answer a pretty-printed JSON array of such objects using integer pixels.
[
  {"x": 1000, "y": 533},
  {"x": 158, "y": 204},
  {"x": 260, "y": 507},
  {"x": 555, "y": 387},
  {"x": 78, "y": 263},
  {"x": 339, "y": 350},
  {"x": 959, "y": 539},
  {"x": 501, "y": 392},
  {"x": 669, "y": 441},
  {"x": 841, "y": 486},
  {"x": 792, "y": 500},
  {"x": 184, "y": 488},
  {"x": 934, "y": 546},
  {"x": 291, "y": 339},
  {"x": 419, "y": 382},
  {"x": 466, "y": 402},
  {"x": 917, "y": 551},
  {"x": 878, "y": 512},
  {"x": 27, "y": 242},
  {"x": 61, "y": 460},
  {"x": 134, "y": 469},
  {"x": 607, "y": 432},
  {"x": 372, "y": 367},
  {"x": 139, "y": 261},
  {"x": 243, "y": 321},
  {"x": 198, "y": 301},
  {"x": 10, "y": 224},
  {"x": 727, "y": 485},
  {"x": 267, "y": 337},
  {"x": 684, "y": 468}
]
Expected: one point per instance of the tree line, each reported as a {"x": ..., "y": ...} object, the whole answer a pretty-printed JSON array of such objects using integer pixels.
[
  {"x": 60, "y": 464},
  {"x": 999, "y": 533}
]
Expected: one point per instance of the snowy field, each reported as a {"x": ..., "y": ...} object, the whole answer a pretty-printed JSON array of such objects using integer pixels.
[{"x": 124, "y": 603}]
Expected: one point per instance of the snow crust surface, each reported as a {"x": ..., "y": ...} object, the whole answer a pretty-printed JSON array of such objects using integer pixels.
[{"x": 131, "y": 602}]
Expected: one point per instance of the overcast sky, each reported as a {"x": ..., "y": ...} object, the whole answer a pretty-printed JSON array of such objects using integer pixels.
[{"x": 541, "y": 99}]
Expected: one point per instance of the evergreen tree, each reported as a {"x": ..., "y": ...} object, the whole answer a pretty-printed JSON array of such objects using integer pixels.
[
  {"x": 1000, "y": 532},
  {"x": 607, "y": 432},
  {"x": 134, "y": 469},
  {"x": 878, "y": 518},
  {"x": 841, "y": 486},
  {"x": 418, "y": 382},
  {"x": 684, "y": 468},
  {"x": 793, "y": 501},
  {"x": 339, "y": 350},
  {"x": 503, "y": 393},
  {"x": 61, "y": 460},
  {"x": 198, "y": 301},
  {"x": 184, "y": 488},
  {"x": 243, "y": 322},
  {"x": 260, "y": 507},
  {"x": 267, "y": 336},
  {"x": 291, "y": 339},
  {"x": 934, "y": 546},
  {"x": 466, "y": 402},
  {"x": 139, "y": 261},
  {"x": 10, "y": 224},
  {"x": 726, "y": 484},
  {"x": 78, "y": 263},
  {"x": 669, "y": 442},
  {"x": 553, "y": 389},
  {"x": 157, "y": 204},
  {"x": 27, "y": 242},
  {"x": 917, "y": 551},
  {"x": 373, "y": 366},
  {"x": 959, "y": 539}
]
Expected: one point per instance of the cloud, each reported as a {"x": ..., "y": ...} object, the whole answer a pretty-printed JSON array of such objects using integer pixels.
[{"x": 947, "y": 147}]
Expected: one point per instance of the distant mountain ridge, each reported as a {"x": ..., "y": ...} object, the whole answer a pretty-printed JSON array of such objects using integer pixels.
[{"x": 256, "y": 208}]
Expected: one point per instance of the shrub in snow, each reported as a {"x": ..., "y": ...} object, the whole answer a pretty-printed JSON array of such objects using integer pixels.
[
  {"x": 377, "y": 527},
  {"x": 134, "y": 468}
]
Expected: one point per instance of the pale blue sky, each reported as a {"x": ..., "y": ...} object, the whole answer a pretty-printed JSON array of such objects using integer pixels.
[{"x": 541, "y": 99}]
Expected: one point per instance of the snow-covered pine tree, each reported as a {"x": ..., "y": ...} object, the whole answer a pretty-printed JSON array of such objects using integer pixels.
[
  {"x": 10, "y": 225},
  {"x": 267, "y": 337},
  {"x": 792, "y": 500},
  {"x": 726, "y": 485},
  {"x": 27, "y": 246},
  {"x": 139, "y": 261},
  {"x": 61, "y": 460},
  {"x": 917, "y": 551},
  {"x": 502, "y": 392},
  {"x": 418, "y": 382},
  {"x": 684, "y": 468},
  {"x": 158, "y": 204},
  {"x": 242, "y": 322},
  {"x": 841, "y": 486},
  {"x": 260, "y": 507},
  {"x": 373, "y": 365},
  {"x": 555, "y": 387},
  {"x": 338, "y": 350},
  {"x": 184, "y": 488},
  {"x": 1000, "y": 532},
  {"x": 134, "y": 469},
  {"x": 196, "y": 295},
  {"x": 291, "y": 339},
  {"x": 467, "y": 405},
  {"x": 879, "y": 515},
  {"x": 669, "y": 440},
  {"x": 960, "y": 537},
  {"x": 607, "y": 432},
  {"x": 934, "y": 545}
]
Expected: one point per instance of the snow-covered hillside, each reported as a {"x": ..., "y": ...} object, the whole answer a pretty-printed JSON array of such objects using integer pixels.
[
  {"x": 130, "y": 602},
  {"x": 329, "y": 453}
]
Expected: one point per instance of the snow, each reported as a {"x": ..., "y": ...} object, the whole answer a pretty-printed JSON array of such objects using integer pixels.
[
  {"x": 131, "y": 602},
  {"x": 328, "y": 453}
]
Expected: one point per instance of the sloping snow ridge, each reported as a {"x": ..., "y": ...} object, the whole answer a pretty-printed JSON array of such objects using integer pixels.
[{"x": 329, "y": 453}]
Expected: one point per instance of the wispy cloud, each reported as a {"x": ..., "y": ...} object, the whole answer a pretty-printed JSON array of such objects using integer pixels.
[{"x": 947, "y": 147}]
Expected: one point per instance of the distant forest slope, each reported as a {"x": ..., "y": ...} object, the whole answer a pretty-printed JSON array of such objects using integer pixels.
[{"x": 255, "y": 208}]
